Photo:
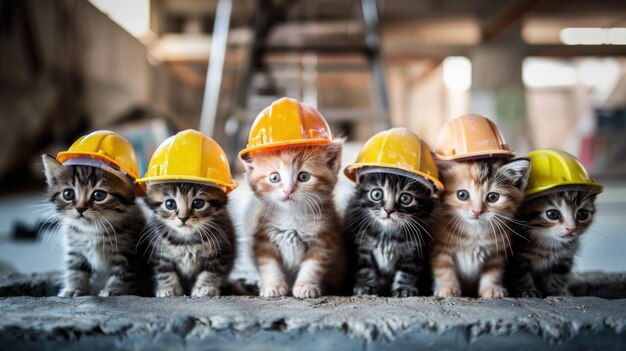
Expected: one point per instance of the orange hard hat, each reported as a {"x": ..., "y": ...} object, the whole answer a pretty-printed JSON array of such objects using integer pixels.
[
  {"x": 287, "y": 122},
  {"x": 471, "y": 137}
]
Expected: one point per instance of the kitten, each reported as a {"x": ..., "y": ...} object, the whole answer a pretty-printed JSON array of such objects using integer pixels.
[
  {"x": 388, "y": 223},
  {"x": 191, "y": 238},
  {"x": 296, "y": 240},
  {"x": 551, "y": 226},
  {"x": 473, "y": 229},
  {"x": 101, "y": 223}
]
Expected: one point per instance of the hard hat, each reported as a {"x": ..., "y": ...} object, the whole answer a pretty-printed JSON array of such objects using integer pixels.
[
  {"x": 104, "y": 145},
  {"x": 556, "y": 170},
  {"x": 471, "y": 137},
  {"x": 190, "y": 156},
  {"x": 287, "y": 122},
  {"x": 397, "y": 149}
]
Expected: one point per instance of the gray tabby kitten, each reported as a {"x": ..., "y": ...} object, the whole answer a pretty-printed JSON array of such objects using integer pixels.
[
  {"x": 191, "y": 238},
  {"x": 387, "y": 225},
  {"x": 551, "y": 226},
  {"x": 101, "y": 222}
]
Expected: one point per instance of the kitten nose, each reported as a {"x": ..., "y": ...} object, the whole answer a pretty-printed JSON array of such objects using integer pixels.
[
  {"x": 477, "y": 213},
  {"x": 80, "y": 210},
  {"x": 390, "y": 211},
  {"x": 288, "y": 192},
  {"x": 570, "y": 231},
  {"x": 183, "y": 220}
]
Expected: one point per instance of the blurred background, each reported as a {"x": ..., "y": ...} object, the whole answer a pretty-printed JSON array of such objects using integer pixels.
[{"x": 551, "y": 73}]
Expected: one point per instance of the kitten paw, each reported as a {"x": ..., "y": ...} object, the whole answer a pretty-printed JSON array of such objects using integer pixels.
[
  {"x": 447, "y": 292},
  {"x": 205, "y": 291},
  {"x": 365, "y": 290},
  {"x": 532, "y": 293},
  {"x": 495, "y": 292},
  {"x": 169, "y": 292},
  {"x": 110, "y": 292},
  {"x": 405, "y": 292},
  {"x": 274, "y": 290},
  {"x": 72, "y": 293},
  {"x": 307, "y": 291}
]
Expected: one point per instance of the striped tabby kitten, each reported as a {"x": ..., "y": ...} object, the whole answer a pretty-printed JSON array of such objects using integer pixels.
[
  {"x": 101, "y": 223},
  {"x": 387, "y": 221},
  {"x": 473, "y": 230},
  {"x": 551, "y": 226},
  {"x": 297, "y": 239},
  {"x": 191, "y": 238}
]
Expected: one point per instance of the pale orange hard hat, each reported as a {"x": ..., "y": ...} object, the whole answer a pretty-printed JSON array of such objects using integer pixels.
[
  {"x": 471, "y": 137},
  {"x": 285, "y": 123}
]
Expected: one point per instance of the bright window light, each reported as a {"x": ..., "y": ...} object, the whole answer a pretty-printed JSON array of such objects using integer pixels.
[
  {"x": 593, "y": 36},
  {"x": 457, "y": 73},
  {"x": 543, "y": 73},
  {"x": 133, "y": 16}
]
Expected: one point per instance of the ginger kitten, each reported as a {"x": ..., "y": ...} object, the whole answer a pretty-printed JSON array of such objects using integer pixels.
[
  {"x": 100, "y": 222},
  {"x": 473, "y": 229},
  {"x": 296, "y": 238},
  {"x": 552, "y": 226}
]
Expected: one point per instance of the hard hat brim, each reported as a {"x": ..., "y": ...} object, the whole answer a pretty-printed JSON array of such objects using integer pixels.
[
  {"x": 477, "y": 155},
  {"x": 182, "y": 178},
  {"x": 282, "y": 145},
  {"x": 564, "y": 186},
  {"x": 351, "y": 170},
  {"x": 66, "y": 155}
]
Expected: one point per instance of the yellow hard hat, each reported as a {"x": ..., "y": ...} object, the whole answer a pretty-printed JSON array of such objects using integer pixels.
[
  {"x": 190, "y": 156},
  {"x": 554, "y": 170},
  {"x": 471, "y": 137},
  {"x": 107, "y": 146},
  {"x": 397, "y": 149},
  {"x": 287, "y": 122}
]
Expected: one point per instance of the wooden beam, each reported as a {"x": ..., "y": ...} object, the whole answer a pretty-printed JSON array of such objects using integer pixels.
[{"x": 508, "y": 16}]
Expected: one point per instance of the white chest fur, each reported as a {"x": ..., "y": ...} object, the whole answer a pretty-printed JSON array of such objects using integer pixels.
[
  {"x": 187, "y": 257},
  {"x": 386, "y": 255},
  {"x": 470, "y": 258},
  {"x": 292, "y": 231}
]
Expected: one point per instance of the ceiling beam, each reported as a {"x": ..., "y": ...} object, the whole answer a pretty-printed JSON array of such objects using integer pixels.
[{"x": 507, "y": 16}]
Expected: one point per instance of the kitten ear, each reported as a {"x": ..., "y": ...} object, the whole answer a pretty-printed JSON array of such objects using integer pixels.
[
  {"x": 518, "y": 171},
  {"x": 333, "y": 154},
  {"x": 51, "y": 168},
  {"x": 247, "y": 163}
]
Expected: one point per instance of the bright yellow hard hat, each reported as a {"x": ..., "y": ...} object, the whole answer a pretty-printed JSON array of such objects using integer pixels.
[
  {"x": 190, "y": 156},
  {"x": 471, "y": 137},
  {"x": 107, "y": 146},
  {"x": 552, "y": 170},
  {"x": 397, "y": 149},
  {"x": 287, "y": 122}
]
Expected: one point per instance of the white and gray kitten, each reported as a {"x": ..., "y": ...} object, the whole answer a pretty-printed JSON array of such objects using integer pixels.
[
  {"x": 551, "y": 227},
  {"x": 101, "y": 223},
  {"x": 388, "y": 226},
  {"x": 191, "y": 239}
]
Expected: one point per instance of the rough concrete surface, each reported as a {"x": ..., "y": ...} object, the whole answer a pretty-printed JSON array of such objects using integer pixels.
[{"x": 346, "y": 323}]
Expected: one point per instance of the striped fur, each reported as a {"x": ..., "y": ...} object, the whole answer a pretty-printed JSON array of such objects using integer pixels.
[
  {"x": 191, "y": 249},
  {"x": 297, "y": 242},
  {"x": 473, "y": 228},
  {"x": 99, "y": 236},
  {"x": 388, "y": 238},
  {"x": 544, "y": 254}
]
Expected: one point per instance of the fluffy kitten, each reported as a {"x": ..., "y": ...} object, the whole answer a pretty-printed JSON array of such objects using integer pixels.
[
  {"x": 101, "y": 223},
  {"x": 297, "y": 239},
  {"x": 191, "y": 238},
  {"x": 473, "y": 230},
  {"x": 551, "y": 226},
  {"x": 387, "y": 222}
]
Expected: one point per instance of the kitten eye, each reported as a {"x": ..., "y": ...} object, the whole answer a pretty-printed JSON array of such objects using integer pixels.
[
  {"x": 463, "y": 195},
  {"x": 493, "y": 197},
  {"x": 68, "y": 194},
  {"x": 376, "y": 195},
  {"x": 99, "y": 195},
  {"x": 170, "y": 204},
  {"x": 582, "y": 215},
  {"x": 304, "y": 177},
  {"x": 406, "y": 199},
  {"x": 197, "y": 204},
  {"x": 275, "y": 177},
  {"x": 553, "y": 214}
]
